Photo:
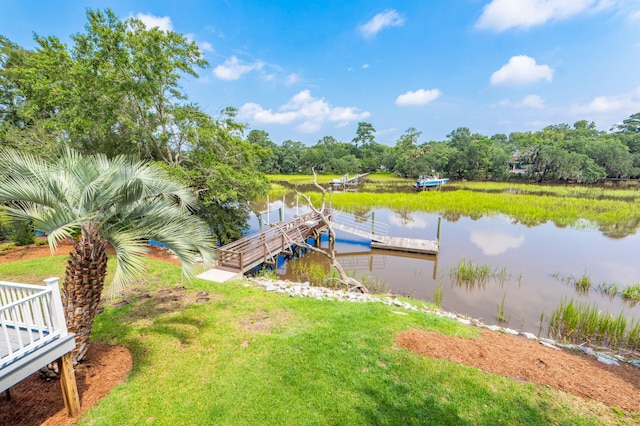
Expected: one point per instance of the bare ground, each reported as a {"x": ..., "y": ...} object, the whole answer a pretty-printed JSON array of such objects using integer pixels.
[{"x": 35, "y": 401}]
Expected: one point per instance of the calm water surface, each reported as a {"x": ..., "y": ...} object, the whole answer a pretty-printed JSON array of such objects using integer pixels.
[{"x": 535, "y": 258}]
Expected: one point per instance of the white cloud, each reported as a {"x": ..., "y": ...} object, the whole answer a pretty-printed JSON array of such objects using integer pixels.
[
  {"x": 292, "y": 78},
  {"x": 532, "y": 101},
  {"x": 635, "y": 15},
  {"x": 312, "y": 113},
  {"x": 521, "y": 69},
  {"x": 162, "y": 22},
  {"x": 260, "y": 115},
  {"x": 365, "y": 66},
  {"x": 419, "y": 97},
  {"x": 529, "y": 101},
  {"x": 232, "y": 69},
  {"x": 205, "y": 46},
  {"x": 388, "y": 18},
  {"x": 627, "y": 103},
  {"x": 500, "y": 15}
]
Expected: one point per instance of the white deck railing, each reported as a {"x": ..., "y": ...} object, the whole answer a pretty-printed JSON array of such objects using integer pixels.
[{"x": 30, "y": 317}]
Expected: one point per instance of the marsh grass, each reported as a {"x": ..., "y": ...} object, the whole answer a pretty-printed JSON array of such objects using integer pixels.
[
  {"x": 320, "y": 274},
  {"x": 631, "y": 293},
  {"x": 615, "y": 217},
  {"x": 609, "y": 289},
  {"x": 438, "y": 293},
  {"x": 303, "y": 179},
  {"x": 570, "y": 191},
  {"x": 470, "y": 275},
  {"x": 316, "y": 273},
  {"x": 500, "y": 312},
  {"x": 583, "y": 322},
  {"x": 583, "y": 283},
  {"x": 541, "y": 324}
]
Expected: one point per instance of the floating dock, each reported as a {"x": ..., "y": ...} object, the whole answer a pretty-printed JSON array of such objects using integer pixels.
[{"x": 407, "y": 245}]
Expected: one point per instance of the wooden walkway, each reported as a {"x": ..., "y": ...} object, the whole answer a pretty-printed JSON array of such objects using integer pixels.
[
  {"x": 345, "y": 181},
  {"x": 289, "y": 238},
  {"x": 265, "y": 246}
]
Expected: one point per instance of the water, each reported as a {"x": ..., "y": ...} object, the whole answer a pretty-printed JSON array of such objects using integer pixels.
[{"x": 535, "y": 258}]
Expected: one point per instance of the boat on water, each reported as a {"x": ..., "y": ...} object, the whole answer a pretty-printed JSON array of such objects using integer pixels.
[{"x": 427, "y": 182}]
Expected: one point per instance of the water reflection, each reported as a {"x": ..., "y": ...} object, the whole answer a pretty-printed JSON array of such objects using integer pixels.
[
  {"x": 494, "y": 243},
  {"x": 528, "y": 255},
  {"x": 407, "y": 220}
]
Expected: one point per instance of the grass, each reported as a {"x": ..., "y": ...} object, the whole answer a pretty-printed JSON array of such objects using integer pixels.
[
  {"x": 500, "y": 312},
  {"x": 580, "y": 322},
  {"x": 583, "y": 283},
  {"x": 252, "y": 357},
  {"x": 613, "y": 216},
  {"x": 573, "y": 191},
  {"x": 438, "y": 293},
  {"x": 631, "y": 293},
  {"x": 609, "y": 289},
  {"x": 468, "y": 274}
]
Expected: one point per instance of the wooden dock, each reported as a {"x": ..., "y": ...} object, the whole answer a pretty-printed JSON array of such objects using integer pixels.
[
  {"x": 266, "y": 246},
  {"x": 378, "y": 232},
  {"x": 290, "y": 239},
  {"x": 407, "y": 245},
  {"x": 345, "y": 181}
]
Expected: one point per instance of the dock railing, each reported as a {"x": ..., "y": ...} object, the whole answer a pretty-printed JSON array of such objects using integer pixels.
[
  {"x": 30, "y": 317},
  {"x": 361, "y": 226},
  {"x": 263, "y": 246}
]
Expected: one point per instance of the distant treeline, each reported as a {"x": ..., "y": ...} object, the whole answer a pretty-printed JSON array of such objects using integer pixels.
[{"x": 560, "y": 153}]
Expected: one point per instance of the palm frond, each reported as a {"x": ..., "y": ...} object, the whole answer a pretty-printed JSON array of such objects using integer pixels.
[{"x": 126, "y": 201}]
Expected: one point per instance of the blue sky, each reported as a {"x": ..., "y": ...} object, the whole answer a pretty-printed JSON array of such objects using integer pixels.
[{"x": 302, "y": 70}]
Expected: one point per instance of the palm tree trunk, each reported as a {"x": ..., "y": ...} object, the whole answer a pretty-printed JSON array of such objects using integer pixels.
[{"x": 83, "y": 283}]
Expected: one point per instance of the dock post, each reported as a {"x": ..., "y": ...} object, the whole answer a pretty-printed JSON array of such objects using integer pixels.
[
  {"x": 439, "y": 223},
  {"x": 373, "y": 223},
  {"x": 281, "y": 215}
]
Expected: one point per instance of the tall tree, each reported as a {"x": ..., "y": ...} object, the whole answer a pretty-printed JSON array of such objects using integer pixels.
[
  {"x": 365, "y": 134},
  {"x": 630, "y": 125},
  {"x": 97, "y": 203},
  {"x": 116, "y": 90}
]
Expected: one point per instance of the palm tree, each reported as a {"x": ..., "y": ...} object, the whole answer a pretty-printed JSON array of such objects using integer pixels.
[{"x": 97, "y": 203}]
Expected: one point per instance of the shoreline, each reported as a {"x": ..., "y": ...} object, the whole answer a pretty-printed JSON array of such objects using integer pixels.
[{"x": 295, "y": 289}]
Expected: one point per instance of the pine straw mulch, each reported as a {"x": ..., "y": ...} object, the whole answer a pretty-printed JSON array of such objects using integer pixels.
[{"x": 529, "y": 361}]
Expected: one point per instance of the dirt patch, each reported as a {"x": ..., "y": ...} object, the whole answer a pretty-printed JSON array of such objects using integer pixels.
[
  {"x": 525, "y": 360},
  {"x": 35, "y": 401},
  {"x": 264, "y": 321},
  {"x": 64, "y": 247}
]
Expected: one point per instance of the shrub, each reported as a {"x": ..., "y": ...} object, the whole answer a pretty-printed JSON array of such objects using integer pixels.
[
  {"x": 22, "y": 234},
  {"x": 7, "y": 246}
]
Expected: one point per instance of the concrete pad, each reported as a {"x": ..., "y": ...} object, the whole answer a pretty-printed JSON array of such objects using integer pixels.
[{"x": 219, "y": 276}]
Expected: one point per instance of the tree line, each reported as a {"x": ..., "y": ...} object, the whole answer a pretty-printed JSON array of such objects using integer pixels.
[{"x": 557, "y": 153}]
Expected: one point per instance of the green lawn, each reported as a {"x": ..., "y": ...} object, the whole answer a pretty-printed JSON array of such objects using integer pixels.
[{"x": 250, "y": 357}]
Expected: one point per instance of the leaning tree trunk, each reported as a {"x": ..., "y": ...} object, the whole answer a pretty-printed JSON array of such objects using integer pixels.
[{"x": 82, "y": 287}]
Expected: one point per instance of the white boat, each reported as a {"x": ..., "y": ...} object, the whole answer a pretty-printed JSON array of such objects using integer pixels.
[{"x": 426, "y": 182}]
